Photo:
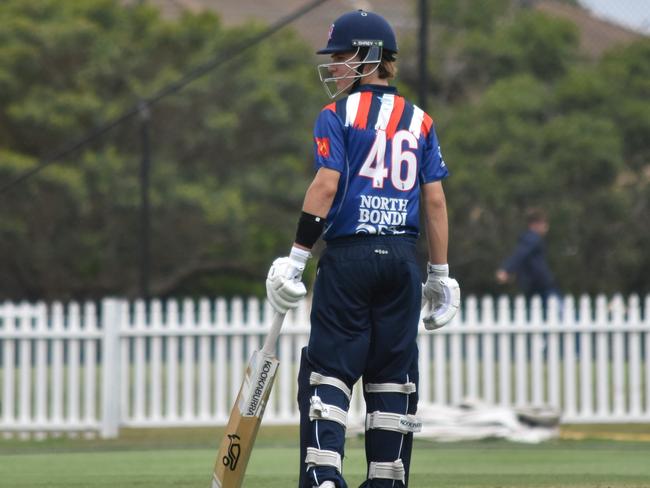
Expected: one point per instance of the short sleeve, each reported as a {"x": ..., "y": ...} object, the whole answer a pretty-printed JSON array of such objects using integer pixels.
[
  {"x": 433, "y": 167},
  {"x": 329, "y": 146}
]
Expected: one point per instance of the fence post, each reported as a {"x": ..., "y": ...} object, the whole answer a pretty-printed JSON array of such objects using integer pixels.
[
  {"x": 635, "y": 388},
  {"x": 110, "y": 317}
]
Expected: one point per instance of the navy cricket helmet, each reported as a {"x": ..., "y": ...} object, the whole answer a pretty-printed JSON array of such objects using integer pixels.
[
  {"x": 360, "y": 29},
  {"x": 369, "y": 39}
]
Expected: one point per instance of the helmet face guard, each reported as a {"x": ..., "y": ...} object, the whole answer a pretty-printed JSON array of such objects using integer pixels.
[{"x": 355, "y": 66}]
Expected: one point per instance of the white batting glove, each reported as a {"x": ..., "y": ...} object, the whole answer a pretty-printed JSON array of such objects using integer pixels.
[
  {"x": 283, "y": 286},
  {"x": 440, "y": 297}
]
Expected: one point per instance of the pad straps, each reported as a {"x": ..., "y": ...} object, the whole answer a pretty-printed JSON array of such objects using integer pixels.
[
  {"x": 322, "y": 457},
  {"x": 316, "y": 379},
  {"x": 388, "y": 470},
  {"x": 324, "y": 411},
  {"x": 393, "y": 421},
  {"x": 406, "y": 388}
]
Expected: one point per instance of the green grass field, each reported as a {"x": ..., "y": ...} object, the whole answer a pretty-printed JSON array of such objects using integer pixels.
[{"x": 183, "y": 458}]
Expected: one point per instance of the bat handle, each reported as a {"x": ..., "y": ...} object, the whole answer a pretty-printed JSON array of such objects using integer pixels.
[{"x": 272, "y": 337}]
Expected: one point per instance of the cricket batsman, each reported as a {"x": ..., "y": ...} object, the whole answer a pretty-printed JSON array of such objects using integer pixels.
[{"x": 377, "y": 159}]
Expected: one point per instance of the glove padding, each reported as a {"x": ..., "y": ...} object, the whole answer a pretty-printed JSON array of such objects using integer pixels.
[
  {"x": 283, "y": 286},
  {"x": 440, "y": 300}
]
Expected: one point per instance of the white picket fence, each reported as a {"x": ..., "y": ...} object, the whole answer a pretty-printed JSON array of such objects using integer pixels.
[{"x": 93, "y": 369}]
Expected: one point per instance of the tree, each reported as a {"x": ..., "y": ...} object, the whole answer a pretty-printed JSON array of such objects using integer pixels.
[
  {"x": 566, "y": 144},
  {"x": 523, "y": 120},
  {"x": 230, "y": 152}
]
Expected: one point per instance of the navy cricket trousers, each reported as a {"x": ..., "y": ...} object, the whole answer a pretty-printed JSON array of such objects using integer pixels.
[{"x": 364, "y": 322}]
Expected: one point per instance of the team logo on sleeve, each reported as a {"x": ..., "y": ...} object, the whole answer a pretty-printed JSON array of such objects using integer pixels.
[{"x": 323, "y": 146}]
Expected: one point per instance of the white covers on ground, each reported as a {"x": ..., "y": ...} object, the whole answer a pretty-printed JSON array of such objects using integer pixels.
[{"x": 474, "y": 420}]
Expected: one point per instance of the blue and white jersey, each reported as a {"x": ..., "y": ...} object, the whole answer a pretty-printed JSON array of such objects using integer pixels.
[{"x": 385, "y": 148}]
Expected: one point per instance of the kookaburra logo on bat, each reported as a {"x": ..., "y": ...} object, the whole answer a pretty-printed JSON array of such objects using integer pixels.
[{"x": 234, "y": 449}]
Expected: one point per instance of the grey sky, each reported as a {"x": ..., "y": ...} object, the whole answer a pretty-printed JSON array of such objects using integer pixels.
[{"x": 630, "y": 13}]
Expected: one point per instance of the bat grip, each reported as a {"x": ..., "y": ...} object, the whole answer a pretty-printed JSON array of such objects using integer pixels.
[{"x": 272, "y": 337}]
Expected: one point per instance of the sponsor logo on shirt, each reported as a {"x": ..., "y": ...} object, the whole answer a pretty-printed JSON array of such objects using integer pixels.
[{"x": 382, "y": 215}]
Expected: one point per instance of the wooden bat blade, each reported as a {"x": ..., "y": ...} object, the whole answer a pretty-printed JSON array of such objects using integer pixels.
[{"x": 244, "y": 422}]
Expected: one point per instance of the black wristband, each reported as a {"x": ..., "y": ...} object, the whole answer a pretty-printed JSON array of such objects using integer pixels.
[{"x": 310, "y": 227}]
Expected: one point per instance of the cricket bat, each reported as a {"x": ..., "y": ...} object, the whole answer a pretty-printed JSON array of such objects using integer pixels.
[{"x": 246, "y": 415}]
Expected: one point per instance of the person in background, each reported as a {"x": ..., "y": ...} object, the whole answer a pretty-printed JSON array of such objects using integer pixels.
[{"x": 528, "y": 261}]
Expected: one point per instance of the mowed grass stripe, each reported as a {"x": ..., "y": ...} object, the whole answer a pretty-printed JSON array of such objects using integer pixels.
[{"x": 475, "y": 465}]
